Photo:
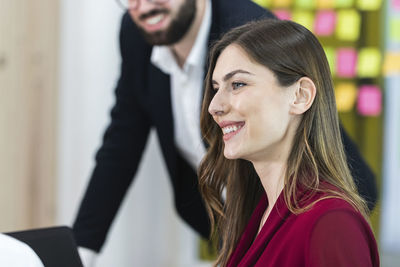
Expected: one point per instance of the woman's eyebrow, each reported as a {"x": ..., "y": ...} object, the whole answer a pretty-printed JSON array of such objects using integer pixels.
[{"x": 231, "y": 74}]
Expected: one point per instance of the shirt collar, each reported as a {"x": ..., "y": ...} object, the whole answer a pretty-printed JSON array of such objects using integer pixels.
[{"x": 162, "y": 57}]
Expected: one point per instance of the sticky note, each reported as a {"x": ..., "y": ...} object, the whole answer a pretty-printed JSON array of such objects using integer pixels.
[
  {"x": 330, "y": 55},
  {"x": 346, "y": 62},
  {"x": 325, "y": 4},
  {"x": 305, "y": 4},
  {"x": 344, "y": 3},
  {"x": 391, "y": 65},
  {"x": 281, "y": 3},
  {"x": 369, "y": 101},
  {"x": 325, "y": 21},
  {"x": 305, "y": 18},
  {"x": 346, "y": 95},
  {"x": 394, "y": 30},
  {"x": 263, "y": 3},
  {"x": 282, "y": 14},
  {"x": 348, "y": 25},
  {"x": 369, "y": 5},
  {"x": 395, "y": 4},
  {"x": 369, "y": 62}
]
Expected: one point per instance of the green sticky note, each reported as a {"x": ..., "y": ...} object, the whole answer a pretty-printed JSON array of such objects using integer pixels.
[
  {"x": 395, "y": 30},
  {"x": 369, "y": 62},
  {"x": 348, "y": 25},
  {"x": 282, "y": 3},
  {"x": 344, "y": 3},
  {"x": 331, "y": 56},
  {"x": 369, "y": 4},
  {"x": 306, "y": 4},
  {"x": 263, "y": 3},
  {"x": 305, "y": 18}
]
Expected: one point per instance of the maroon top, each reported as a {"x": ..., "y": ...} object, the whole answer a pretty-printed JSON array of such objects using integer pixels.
[{"x": 331, "y": 233}]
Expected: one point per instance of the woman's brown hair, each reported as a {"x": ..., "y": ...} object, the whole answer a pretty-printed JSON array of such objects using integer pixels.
[{"x": 290, "y": 51}]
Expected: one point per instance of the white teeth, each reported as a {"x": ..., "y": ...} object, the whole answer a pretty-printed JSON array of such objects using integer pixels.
[
  {"x": 230, "y": 129},
  {"x": 155, "y": 19}
]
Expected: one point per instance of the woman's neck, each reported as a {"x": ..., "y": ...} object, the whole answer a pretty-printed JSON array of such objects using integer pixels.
[{"x": 272, "y": 176}]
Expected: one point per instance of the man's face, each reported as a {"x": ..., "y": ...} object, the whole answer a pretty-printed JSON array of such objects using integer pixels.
[{"x": 164, "y": 24}]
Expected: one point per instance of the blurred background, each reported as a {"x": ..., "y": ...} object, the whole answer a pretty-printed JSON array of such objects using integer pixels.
[{"x": 59, "y": 62}]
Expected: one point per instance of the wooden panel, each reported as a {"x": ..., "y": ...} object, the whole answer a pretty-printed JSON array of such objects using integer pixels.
[{"x": 28, "y": 105}]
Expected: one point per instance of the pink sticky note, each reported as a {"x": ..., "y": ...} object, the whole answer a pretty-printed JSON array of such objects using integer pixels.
[
  {"x": 282, "y": 14},
  {"x": 396, "y": 4},
  {"x": 346, "y": 62},
  {"x": 325, "y": 22},
  {"x": 369, "y": 102}
]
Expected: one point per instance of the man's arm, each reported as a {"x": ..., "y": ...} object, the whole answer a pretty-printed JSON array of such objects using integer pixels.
[
  {"x": 363, "y": 176},
  {"x": 118, "y": 157}
]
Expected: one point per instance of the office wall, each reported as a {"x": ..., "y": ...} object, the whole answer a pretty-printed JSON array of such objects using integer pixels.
[{"x": 28, "y": 101}]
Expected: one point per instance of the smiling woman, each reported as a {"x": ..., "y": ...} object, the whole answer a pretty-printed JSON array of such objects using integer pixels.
[{"x": 270, "y": 118}]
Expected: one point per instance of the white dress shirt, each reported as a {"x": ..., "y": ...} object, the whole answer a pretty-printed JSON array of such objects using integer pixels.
[
  {"x": 14, "y": 253},
  {"x": 186, "y": 91}
]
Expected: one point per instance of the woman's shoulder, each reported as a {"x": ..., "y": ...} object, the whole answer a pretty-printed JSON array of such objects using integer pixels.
[{"x": 327, "y": 205}]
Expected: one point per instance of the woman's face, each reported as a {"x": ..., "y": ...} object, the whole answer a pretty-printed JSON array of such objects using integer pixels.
[{"x": 251, "y": 108}]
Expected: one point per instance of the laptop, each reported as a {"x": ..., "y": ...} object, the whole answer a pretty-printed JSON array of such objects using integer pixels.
[{"x": 55, "y": 246}]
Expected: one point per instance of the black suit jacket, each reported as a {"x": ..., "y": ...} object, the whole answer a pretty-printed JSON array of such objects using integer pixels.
[{"x": 142, "y": 102}]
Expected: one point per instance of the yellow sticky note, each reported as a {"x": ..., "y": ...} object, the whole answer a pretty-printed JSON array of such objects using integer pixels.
[
  {"x": 369, "y": 4},
  {"x": 346, "y": 94},
  {"x": 331, "y": 56},
  {"x": 305, "y": 18},
  {"x": 391, "y": 65},
  {"x": 305, "y": 4},
  {"x": 394, "y": 30},
  {"x": 281, "y": 3},
  {"x": 263, "y": 3},
  {"x": 344, "y": 3},
  {"x": 369, "y": 62},
  {"x": 325, "y": 4},
  {"x": 348, "y": 25}
]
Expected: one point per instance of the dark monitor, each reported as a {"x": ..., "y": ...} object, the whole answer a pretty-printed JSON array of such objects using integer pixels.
[{"x": 55, "y": 246}]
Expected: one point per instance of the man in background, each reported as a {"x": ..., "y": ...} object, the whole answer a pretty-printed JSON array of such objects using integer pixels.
[{"x": 164, "y": 46}]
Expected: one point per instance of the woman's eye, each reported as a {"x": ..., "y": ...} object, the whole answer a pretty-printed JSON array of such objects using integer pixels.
[{"x": 237, "y": 85}]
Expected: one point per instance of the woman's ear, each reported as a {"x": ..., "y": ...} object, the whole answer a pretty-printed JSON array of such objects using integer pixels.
[{"x": 304, "y": 95}]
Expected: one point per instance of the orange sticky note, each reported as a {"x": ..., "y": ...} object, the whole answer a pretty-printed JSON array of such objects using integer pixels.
[
  {"x": 348, "y": 25},
  {"x": 369, "y": 102},
  {"x": 281, "y": 3},
  {"x": 330, "y": 55},
  {"x": 344, "y": 3},
  {"x": 346, "y": 95},
  {"x": 263, "y": 3},
  {"x": 369, "y": 5},
  {"x": 369, "y": 62},
  {"x": 325, "y": 21},
  {"x": 305, "y": 18},
  {"x": 325, "y": 4},
  {"x": 282, "y": 14},
  {"x": 391, "y": 65}
]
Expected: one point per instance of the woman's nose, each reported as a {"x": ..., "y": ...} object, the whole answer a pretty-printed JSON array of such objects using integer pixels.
[{"x": 218, "y": 105}]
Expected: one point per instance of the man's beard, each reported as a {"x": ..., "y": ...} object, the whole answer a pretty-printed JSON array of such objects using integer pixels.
[{"x": 177, "y": 28}]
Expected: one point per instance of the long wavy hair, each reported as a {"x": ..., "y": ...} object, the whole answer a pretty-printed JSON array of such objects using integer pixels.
[{"x": 290, "y": 51}]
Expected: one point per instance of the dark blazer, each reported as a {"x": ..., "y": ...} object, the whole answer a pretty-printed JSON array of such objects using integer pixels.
[{"x": 142, "y": 102}]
